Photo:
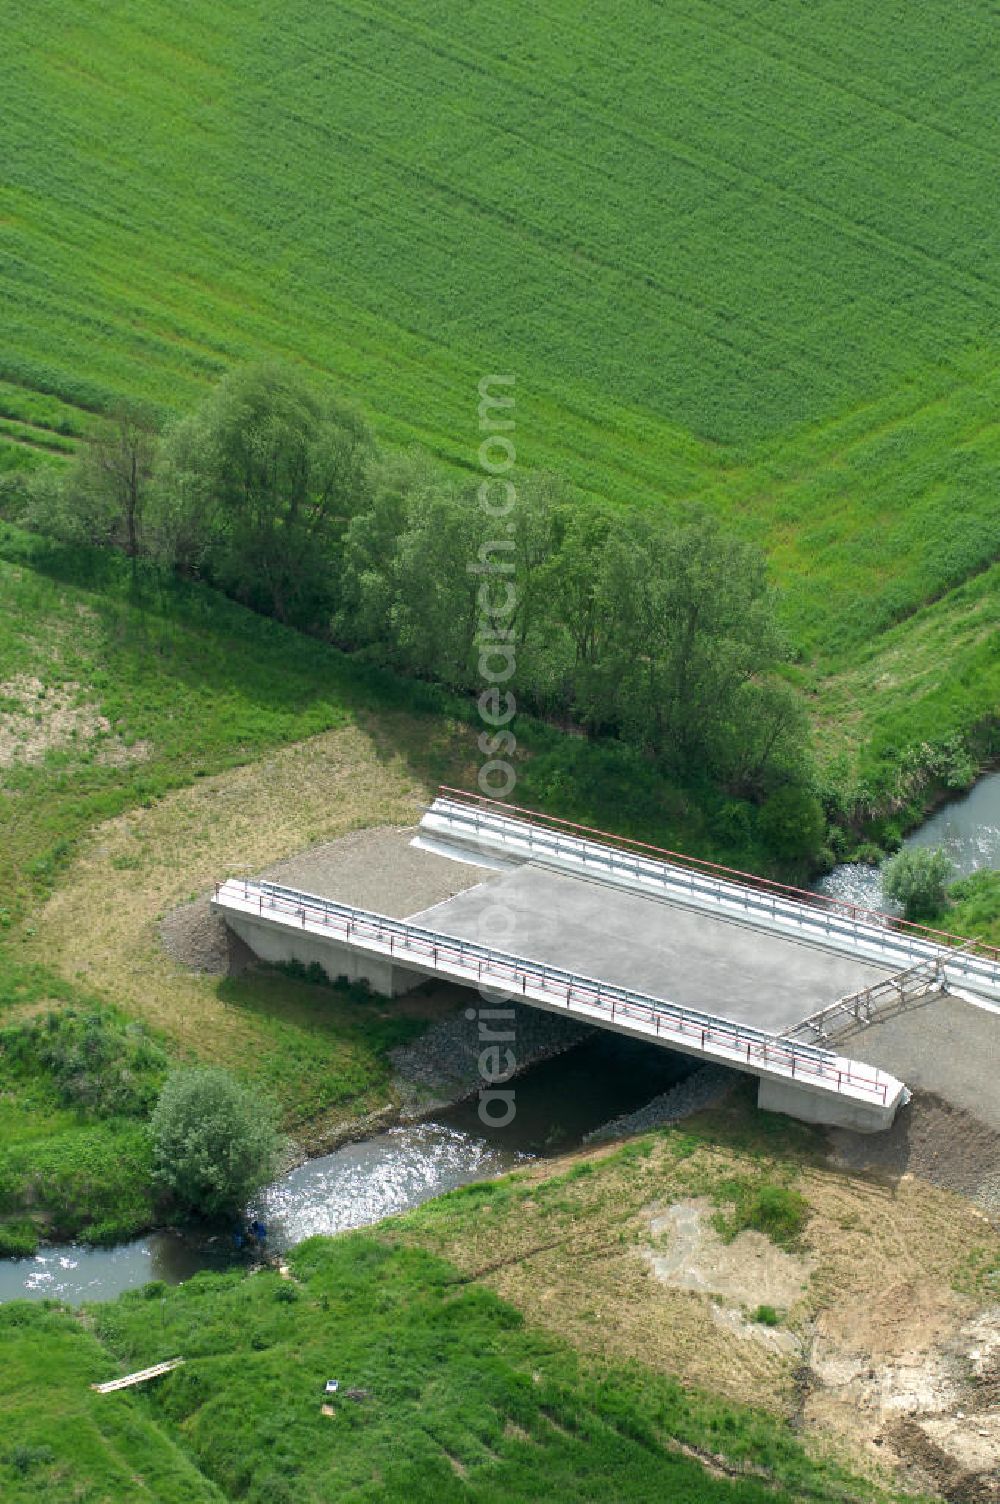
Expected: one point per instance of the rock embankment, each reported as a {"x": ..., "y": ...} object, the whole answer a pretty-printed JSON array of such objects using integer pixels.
[
  {"x": 703, "y": 1088},
  {"x": 442, "y": 1066}
]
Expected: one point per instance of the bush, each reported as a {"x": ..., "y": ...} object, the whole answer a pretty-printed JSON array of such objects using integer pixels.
[
  {"x": 916, "y": 879},
  {"x": 215, "y": 1143},
  {"x": 777, "y": 1211},
  {"x": 976, "y": 905},
  {"x": 766, "y": 1316},
  {"x": 792, "y": 824},
  {"x": 98, "y": 1061},
  {"x": 18, "y": 1239}
]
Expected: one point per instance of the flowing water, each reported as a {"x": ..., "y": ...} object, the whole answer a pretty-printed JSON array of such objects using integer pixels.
[
  {"x": 558, "y": 1101},
  {"x": 968, "y": 829}
]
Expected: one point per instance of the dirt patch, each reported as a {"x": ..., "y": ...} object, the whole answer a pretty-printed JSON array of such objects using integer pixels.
[
  {"x": 930, "y": 1465},
  {"x": 916, "y": 1383},
  {"x": 750, "y": 1270},
  {"x": 193, "y": 936},
  {"x": 36, "y": 719},
  {"x": 943, "y": 1144},
  {"x": 739, "y": 1277}
]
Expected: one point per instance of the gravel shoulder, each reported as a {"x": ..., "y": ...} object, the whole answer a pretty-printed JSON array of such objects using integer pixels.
[{"x": 944, "y": 1046}]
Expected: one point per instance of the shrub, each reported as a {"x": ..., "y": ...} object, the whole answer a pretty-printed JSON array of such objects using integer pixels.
[
  {"x": 214, "y": 1142},
  {"x": 99, "y": 1062},
  {"x": 792, "y": 824},
  {"x": 766, "y": 1316},
  {"x": 18, "y": 1239},
  {"x": 777, "y": 1211},
  {"x": 916, "y": 879}
]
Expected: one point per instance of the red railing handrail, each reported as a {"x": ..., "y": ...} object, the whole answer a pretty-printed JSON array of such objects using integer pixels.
[
  {"x": 518, "y": 968},
  {"x": 799, "y": 895}
]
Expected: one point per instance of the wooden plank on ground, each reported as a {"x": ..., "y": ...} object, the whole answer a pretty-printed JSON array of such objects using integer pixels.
[{"x": 138, "y": 1378}]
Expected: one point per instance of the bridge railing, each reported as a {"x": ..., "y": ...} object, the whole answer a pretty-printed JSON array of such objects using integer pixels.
[
  {"x": 732, "y": 875},
  {"x": 878, "y": 1000},
  {"x": 827, "y": 920},
  {"x": 425, "y": 948}
]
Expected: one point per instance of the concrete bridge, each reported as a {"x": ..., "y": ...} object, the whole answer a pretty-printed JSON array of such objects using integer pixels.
[
  {"x": 280, "y": 924},
  {"x": 722, "y": 966}
]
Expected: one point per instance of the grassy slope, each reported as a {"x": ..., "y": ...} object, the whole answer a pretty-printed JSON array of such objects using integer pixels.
[
  {"x": 762, "y": 271},
  {"x": 512, "y": 1342},
  {"x": 464, "y": 1401}
]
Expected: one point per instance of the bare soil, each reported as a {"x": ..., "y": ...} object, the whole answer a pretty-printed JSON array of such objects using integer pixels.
[
  {"x": 940, "y": 1143},
  {"x": 36, "y": 718}
]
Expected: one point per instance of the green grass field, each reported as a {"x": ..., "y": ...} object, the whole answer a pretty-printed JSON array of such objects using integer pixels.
[
  {"x": 460, "y": 1400},
  {"x": 747, "y": 255}
]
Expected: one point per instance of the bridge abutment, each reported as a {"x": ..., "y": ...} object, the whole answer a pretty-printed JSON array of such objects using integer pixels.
[
  {"x": 279, "y": 945},
  {"x": 831, "y": 1109}
]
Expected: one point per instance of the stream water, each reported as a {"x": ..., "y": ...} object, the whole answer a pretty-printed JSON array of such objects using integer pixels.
[
  {"x": 558, "y": 1102},
  {"x": 968, "y": 829}
]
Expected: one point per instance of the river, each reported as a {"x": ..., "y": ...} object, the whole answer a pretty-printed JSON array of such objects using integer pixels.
[
  {"x": 967, "y": 829},
  {"x": 558, "y": 1101}
]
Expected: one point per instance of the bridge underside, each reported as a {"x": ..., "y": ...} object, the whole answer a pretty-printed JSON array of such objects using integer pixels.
[{"x": 698, "y": 960}]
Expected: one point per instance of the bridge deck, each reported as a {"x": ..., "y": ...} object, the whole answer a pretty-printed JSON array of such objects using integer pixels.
[{"x": 698, "y": 960}]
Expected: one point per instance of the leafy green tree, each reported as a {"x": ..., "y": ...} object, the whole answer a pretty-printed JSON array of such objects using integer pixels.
[
  {"x": 259, "y": 485},
  {"x": 792, "y": 824},
  {"x": 102, "y": 499},
  {"x": 215, "y": 1143},
  {"x": 684, "y": 623},
  {"x": 917, "y": 879}
]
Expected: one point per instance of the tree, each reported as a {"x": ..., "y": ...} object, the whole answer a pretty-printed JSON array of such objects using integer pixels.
[
  {"x": 102, "y": 499},
  {"x": 215, "y": 1143},
  {"x": 118, "y": 464},
  {"x": 269, "y": 473},
  {"x": 792, "y": 824},
  {"x": 683, "y": 623},
  {"x": 916, "y": 878}
]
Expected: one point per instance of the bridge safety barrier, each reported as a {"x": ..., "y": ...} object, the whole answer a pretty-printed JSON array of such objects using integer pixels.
[
  {"x": 467, "y": 961},
  {"x": 758, "y": 901}
]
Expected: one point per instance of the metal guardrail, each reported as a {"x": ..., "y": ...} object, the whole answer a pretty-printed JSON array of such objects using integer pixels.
[
  {"x": 734, "y": 876},
  {"x": 823, "y": 924},
  {"x": 861, "y": 1008},
  {"x": 430, "y": 949}
]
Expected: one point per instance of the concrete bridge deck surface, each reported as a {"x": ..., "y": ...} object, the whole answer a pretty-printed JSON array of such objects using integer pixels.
[{"x": 683, "y": 955}]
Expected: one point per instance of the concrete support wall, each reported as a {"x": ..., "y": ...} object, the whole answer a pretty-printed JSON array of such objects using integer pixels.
[
  {"x": 824, "y": 1107},
  {"x": 278, "y": 944}
]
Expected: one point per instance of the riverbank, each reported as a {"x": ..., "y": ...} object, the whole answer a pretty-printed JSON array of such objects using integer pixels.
[{"x": 812, "y": 1343}]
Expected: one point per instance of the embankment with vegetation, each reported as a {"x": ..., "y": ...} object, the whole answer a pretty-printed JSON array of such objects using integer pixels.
[
  {"x": 513, "y": 1338},
  {"x": 156, "y": 736}
]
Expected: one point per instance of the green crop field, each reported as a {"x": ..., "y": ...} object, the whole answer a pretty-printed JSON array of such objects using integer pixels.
[{"x": 742, "y": 253}]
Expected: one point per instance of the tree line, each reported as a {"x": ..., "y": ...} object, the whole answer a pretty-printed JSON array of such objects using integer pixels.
[{"x": 658, "y": 630}]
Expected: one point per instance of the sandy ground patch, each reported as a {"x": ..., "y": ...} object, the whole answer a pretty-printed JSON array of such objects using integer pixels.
[
  {"x": 102, "y": 925},
  {"x": 688, "y": 1254},
  {"x": 36, "y": 718}
]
